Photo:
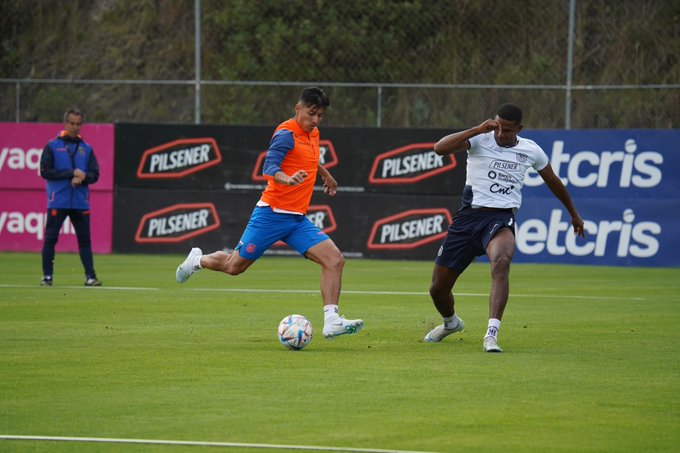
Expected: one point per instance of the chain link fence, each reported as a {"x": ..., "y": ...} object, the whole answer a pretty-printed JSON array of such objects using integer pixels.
[{"x": 568, "y": 63}]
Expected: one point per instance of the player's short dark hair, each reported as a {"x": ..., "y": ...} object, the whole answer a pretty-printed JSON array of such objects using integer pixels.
[
  {"x": 314, "y": 96},
  {"x": 510, "y": 112},
  {"x": 73, "y": 111}
]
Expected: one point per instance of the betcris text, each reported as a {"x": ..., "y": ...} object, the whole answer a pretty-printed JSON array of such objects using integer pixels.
[
  {"x": 625, "y": 187},
  {"x": 624, "y": 237},
  {"x": 628, "y": 167}
]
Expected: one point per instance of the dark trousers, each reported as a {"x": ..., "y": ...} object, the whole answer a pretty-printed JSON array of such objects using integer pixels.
[{"x": 81, "y": 223}]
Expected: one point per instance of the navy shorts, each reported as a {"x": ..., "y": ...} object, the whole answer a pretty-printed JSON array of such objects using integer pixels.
[
  {"x": 469, "y": 234},
  {"x": 266, "y": 227}
]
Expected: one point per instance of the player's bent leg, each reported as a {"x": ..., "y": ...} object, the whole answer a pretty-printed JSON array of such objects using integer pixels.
[
  {"x": 229, "y": 263},
  {"x": 443, "y": 280}
]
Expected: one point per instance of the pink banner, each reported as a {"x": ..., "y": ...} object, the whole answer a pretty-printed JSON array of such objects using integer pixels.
[
  {"x": 21, "y": 145},
  {"x": 23, "y": 214}
]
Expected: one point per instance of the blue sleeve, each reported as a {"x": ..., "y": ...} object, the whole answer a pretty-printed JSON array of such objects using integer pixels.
[
  {"x": 92, "y": 173},
  {"x": 281, "y": 143}
]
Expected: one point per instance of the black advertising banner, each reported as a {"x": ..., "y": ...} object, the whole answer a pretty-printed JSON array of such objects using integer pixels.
[
  {"x": 367, "y": 225},
  {"x": 180, "y": 157},
  {"x": 231, "y": 158},
  {"x": 179, "y": 187}
]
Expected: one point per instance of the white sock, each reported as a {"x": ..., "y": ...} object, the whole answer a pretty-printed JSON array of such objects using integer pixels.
[
  {"x": 330, "y": 313},
  {"x": 492, "y": 330},
  {"x": 450, "y": 322}
]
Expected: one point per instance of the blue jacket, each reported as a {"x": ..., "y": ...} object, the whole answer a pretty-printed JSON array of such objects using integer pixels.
[{"x": 58, "y": 160}]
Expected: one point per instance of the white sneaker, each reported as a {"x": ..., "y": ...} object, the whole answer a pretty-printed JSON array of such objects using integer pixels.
[
  {"x": 439, "y": 333},
  {"x": 491, "y": 345},
  {"x": 186, "y": 270},
  {"x": 342, "y": 327}
]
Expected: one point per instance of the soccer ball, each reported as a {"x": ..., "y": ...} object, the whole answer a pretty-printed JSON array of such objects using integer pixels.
[{"x": 295, "y": 332}]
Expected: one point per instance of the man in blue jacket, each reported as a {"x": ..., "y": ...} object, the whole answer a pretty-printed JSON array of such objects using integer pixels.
[{"x": 69, "y": 166}]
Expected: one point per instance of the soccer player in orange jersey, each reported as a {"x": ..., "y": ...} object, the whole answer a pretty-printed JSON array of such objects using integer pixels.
[{"x": 291, "y": 168}]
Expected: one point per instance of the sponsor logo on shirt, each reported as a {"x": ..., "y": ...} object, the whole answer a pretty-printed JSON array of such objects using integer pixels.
[
  {"x": 503, "y": 177},
  {"x": 179, "y": 158},
  {"x": 177, "y": 223},
  {"x": 505, "y": 165},
  {"x": 409, "y": 164},
  {"x": 409, "y": 229}
]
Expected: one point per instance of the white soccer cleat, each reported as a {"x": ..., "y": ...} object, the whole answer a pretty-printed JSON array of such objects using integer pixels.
[
  {"x": 342, "y": 326},
  {"x": 439, "y": 333},
  {"x": 186, "y": 270},
  {"x": 491, "y": 345}
]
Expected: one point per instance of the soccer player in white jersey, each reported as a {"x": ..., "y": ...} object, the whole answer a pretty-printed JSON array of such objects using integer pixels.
[{"x": 497, "y": 162}]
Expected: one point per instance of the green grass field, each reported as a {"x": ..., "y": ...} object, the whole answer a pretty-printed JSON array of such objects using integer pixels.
[{"x": 591, "y": 360}]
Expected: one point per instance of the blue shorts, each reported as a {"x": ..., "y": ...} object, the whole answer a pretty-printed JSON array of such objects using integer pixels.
[
  {"x": 267, "y": 227},
  {"x": 469, "y": 234}
]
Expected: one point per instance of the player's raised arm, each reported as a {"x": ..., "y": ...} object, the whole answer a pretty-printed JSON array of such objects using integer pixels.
[{"x": 458, "y": 141}]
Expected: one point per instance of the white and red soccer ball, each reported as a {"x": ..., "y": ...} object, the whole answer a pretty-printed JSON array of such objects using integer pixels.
[{"x": 295, "y": 332}]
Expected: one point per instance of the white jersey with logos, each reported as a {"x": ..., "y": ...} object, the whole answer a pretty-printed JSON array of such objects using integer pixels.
[{"x": 495, "y": 174}]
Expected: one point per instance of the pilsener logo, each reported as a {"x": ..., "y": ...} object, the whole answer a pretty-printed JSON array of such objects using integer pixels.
[
  {"x": 322, "y": 217},
  {"x": 179, "y": 158},
  {"x": 327, "y": 158},
  {"x": 409, "y": 229},
  {"x": 177, "y": 223},
  {"x": 409, "y": 164}
]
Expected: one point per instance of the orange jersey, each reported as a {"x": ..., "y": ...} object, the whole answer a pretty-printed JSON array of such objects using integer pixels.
[{"x": 291, "y": 149}]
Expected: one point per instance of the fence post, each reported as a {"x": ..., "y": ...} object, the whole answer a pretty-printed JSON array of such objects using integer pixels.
[
  {"x": 379, "y": 107},
  {"x": 197, "y": 61},
  {"x": 570, "y": 64},
  {"x": 17, "y": 99}
]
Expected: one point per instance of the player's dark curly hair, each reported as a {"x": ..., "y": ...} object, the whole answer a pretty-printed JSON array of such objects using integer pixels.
[
  {"x": 314, "y": 96},
  {"x": 510, "y": 112}
]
